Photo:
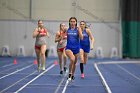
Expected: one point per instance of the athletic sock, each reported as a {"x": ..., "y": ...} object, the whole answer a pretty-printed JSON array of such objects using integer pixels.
[
  {"x": 72, "y": 77},
  {"x": 81, "y": 67}
]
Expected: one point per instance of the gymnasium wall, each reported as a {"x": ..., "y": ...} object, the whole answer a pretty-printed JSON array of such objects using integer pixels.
[
  {"x": 18, "y": 19},
  {"x": 107, "y": 10}
]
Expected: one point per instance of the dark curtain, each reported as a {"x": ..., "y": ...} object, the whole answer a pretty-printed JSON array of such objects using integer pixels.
[{"x": 130, "y": 16}]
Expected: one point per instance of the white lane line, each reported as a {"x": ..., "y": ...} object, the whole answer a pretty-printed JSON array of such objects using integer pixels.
[
  {"x": 65, "y": 87},
  {"x": 58, "y": 87},
  {"x": 54, "y": 85},
  {"x": 17, "y": 82},
  {"x": 128, "y": 72},
  {"x": 107, "y": 88},
  {"x": 15, "y": 71},
  {"x": 35, "y": 78},
  {"x": 7, "y": 65},
  {"x": 118, "y": 62},
  {"x": 12, "y": 68},
  {"x": 10, "y": 65},
  {"x": 112, "y": 62},
  {"x": 27, "y": 73},
  {"x": 66, "y": 84}
]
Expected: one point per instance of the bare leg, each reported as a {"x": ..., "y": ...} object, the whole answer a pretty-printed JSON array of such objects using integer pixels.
[
  {"x": 60, "y": 60},
  {"x": 85, "y": 58},
  {"x": 74, "y": 64},
  {"x": 69, "y": 53},
  {"x": 65, "y": 59},
  {"x": 43, "y": 57},
  {"x": 38, "y": 58},
  {"x": 82, "y": 55}
]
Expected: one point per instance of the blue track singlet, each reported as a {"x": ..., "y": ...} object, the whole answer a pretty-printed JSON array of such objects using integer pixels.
[
  {"x": 85, "y": 43},
  {"x": 73, "y": 42}
]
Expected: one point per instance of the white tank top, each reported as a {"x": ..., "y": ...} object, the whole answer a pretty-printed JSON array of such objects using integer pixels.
[
  {"x": 64, "y": 41},
  {"x": 41, "y": 40}
]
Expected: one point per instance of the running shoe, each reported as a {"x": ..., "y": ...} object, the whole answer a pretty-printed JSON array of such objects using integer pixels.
[
  {"x": 83, "y": 75},
  {"x": 69, "y": 79},
  {"x": 43, "y": 68},
  {"x": 61, "y": 72}
]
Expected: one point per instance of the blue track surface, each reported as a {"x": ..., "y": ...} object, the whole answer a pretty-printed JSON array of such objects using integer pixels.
[{"x": 121, "y": 78}]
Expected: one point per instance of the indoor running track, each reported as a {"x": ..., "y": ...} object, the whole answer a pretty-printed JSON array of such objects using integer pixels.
[{"x": 23, "y": 77}]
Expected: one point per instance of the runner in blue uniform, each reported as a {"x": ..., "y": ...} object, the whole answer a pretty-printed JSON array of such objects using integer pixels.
[
  {"x": 74, "y": 34},
  {"x": 85, "y": 46}
]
